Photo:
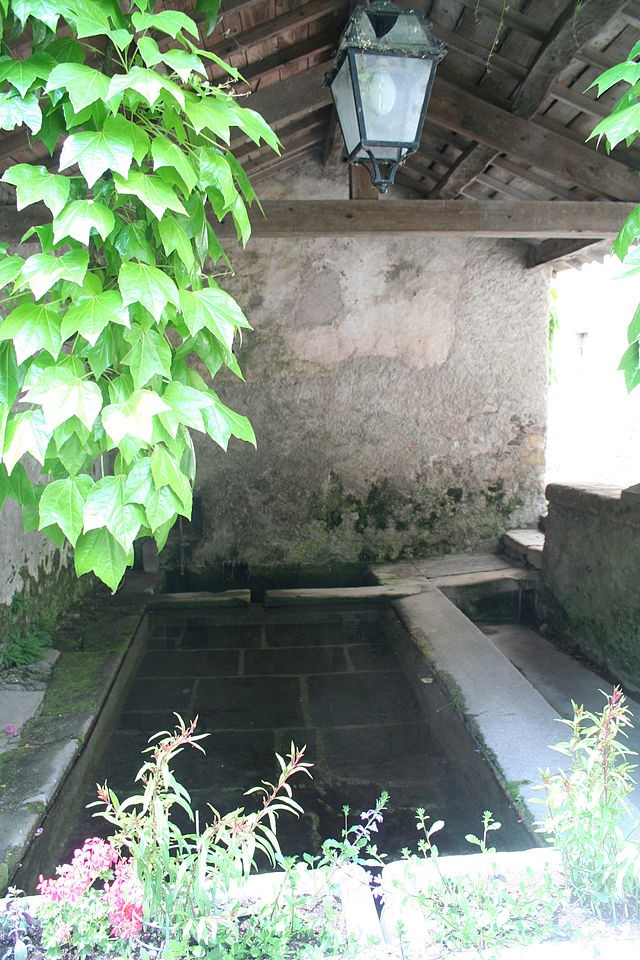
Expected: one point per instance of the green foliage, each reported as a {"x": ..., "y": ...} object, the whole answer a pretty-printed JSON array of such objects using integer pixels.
[
  {"x": 22, "y": 649},
  {"x": 622, "y": 125},
  {"x": 181, "y": 891},
  {"x": 476, "y": 913},
  {"x": 15, "y": 924},
  {"x": 588, "y": 813},
  {"x": 101, "y": 327}
]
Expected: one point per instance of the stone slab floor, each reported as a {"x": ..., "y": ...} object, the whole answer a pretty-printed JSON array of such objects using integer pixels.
[{"x": 330, "y": 678}]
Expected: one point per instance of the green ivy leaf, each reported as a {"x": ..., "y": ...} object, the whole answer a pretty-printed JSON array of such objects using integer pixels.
[
  {"x": 221, "y": 423},
  {"x": 171, "y": 22},
  {"x": 10, "y": 379},
  {"x": 162, "y": 507},
  {"x": 62, "y": 503},
  {"x": 619, "y": 125},
  {"x": 133, "y": 417},
  {"x": 167, "y": 154},
  {"x": 214, "y": 309},
  {"x": 628, "y": 234},
  {"x": 146, "y": 83},
  {"x": 174, "y": 238},
  {"x": 10, "y": 269},
  {"x": 25, "y": 433},
  {"x": 34, "y": 184},
  {"x": 133, "y": 242},
  {"x": 166, "y": 472},
  {"x": 151, "y": 191},
  {"x": 72, "y": 452},
  {"x": 91, "y": 18},
  {"x": 255, "y": 126},
  {"x": 33, "y": 327},
  {"x": 79, "y": 218},
  {"x": 211, "y": 114},
  {"x": 62, "y": 394},
  {"x": 147, "y": 285},
  {"x": 100, "y": 553},
  {"x": 89, "y": 314},
  {"x": 186, "y": 407},
  {"x": 83, "y": 84},
  {"x": 211, "y": 9},
  {"x": 183, "y": 63},
  {"x": 95, "y": 152},
  {"x": 629, "y": 72},
  {"x": 42, "y": 271},
  {"x": 46, "y": 11},
  {"x": 149, "y": 51},
  {"x": 150, "y": 355},
  {"x": 107, "y": 506},
  {"x": 630, "y": 365},
  {"x": 16, "y": 110},
  {"x": 215, "y": 171},
  {"x": 21, "y": 74},
  {"x": 139, "y": 484}
]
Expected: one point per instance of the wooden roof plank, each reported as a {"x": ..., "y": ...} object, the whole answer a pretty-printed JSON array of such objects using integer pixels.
[
  {"x": 531, "y": 142},
  {"x": 575, "y": 27},
  {"x": 470, "y": 164}
]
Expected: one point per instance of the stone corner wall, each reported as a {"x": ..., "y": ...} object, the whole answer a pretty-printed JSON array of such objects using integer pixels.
[
  {"x": 590, "y": 567},
  {"x": 397, "y": 388}
]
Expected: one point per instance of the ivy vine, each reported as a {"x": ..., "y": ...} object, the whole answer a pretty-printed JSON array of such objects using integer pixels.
[
  {"x": 101, "y": 327},
  {"x": 622, "y": 125}
]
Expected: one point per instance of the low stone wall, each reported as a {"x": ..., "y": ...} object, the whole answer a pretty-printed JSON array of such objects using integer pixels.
[{"x": 590, "y": 586}]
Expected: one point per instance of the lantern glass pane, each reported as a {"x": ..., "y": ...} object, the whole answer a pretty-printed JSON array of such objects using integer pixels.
[
  {"x": 342, "y": 92},
  {"x": 393, "y": 90}
]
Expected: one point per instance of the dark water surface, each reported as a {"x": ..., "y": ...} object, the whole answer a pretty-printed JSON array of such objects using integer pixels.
[{"x": 344, "y": 680}]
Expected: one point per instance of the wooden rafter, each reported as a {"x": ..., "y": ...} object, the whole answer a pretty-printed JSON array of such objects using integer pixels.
[
  {"x": 576, "y": 26},
  {"x": 530, "y": 142}
]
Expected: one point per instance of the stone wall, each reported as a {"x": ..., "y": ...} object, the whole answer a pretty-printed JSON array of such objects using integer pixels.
[
  {"x": 590, "y": 566},
  {"x": 397, "y": 389}
]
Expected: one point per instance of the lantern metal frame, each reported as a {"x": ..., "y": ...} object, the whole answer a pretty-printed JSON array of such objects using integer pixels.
[{"x": 371, "y": 31}]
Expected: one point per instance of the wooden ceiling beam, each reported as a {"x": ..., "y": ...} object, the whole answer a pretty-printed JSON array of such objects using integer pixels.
[
  {"x": 530, "y": 142},
  {"x": 550, "y": 251},
  {"x": 338, "y": 218},
  {"x": 575, "y": 26},
  {"x": 535, "y": 219}
]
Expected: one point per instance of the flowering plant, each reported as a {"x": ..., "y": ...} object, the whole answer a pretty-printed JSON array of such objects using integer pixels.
[{"x": 151, "y": 890}]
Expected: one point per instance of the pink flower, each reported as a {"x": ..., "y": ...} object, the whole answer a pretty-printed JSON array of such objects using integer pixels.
[
  {"x": 11, "y": 730},
  {"x": 124, "y": 897},
  {"x": 89, "y": 863}
]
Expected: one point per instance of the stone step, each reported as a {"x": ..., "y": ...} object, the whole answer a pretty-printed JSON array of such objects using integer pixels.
[{"x": 524, "y": 545}]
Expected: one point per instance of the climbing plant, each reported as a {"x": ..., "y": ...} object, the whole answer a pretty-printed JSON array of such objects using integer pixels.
[
  {"x": 623, "y": 125},
  {"x": 101, "y": 326}
]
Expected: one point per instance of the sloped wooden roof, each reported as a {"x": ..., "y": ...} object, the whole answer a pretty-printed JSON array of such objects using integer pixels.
[{"x": 503, "y": 150}]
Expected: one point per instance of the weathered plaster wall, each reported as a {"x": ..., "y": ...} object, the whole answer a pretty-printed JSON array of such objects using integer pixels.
[
  {"x": 590, "y": 575},
  {"x": 397, "y": 389}
]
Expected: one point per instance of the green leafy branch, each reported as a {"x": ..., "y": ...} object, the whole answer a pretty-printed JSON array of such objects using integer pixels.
[
  {"x": 102, "y": 327},
  {"x": 622, "y": 125}
]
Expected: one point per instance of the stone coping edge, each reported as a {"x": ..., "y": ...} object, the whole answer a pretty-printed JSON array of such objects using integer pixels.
[
  {"x": 43, "y": 762},
  {"x": 403, "y": 922}
]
